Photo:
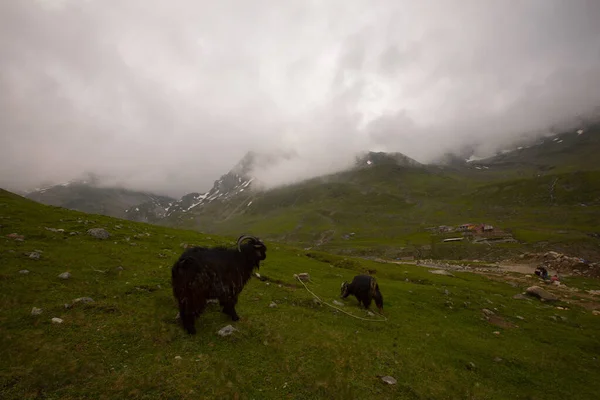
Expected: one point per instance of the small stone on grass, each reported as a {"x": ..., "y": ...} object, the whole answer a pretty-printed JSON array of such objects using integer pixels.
[
  {"x": 389, "y": 380},
  {"x": 226, "y": 331}
]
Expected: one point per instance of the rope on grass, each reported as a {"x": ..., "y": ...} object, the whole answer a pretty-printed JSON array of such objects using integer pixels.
[{"x": 339, "y": 309}]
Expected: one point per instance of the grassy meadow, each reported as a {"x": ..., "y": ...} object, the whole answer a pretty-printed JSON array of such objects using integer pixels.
[{"x": 127, "y": 343}]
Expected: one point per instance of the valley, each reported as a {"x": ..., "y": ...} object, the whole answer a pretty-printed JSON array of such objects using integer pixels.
[
  {"x": 542, "y": 195},
  {"x": 299, "y": 200}
]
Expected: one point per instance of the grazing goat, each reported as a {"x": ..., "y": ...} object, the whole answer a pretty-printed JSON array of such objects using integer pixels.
[
  {"x": 365, "y": 289},
  {"x": 203, "y": 273}
]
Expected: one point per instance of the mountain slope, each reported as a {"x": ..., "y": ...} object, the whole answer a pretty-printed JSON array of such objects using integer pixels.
[
  {"x": 117, "y": 335},
  {"x": 568, "y": 151},
  {"x": 387, "y": 207},
  {"x": 87, "y": 197}
]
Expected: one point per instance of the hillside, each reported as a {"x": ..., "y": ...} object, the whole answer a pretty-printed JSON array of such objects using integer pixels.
[
  {"x": 461, "y": 336},
  {"x": 87, "y": 196},
  {"x": 542, "y": 197},
  {"x": 569, "y": 150}
]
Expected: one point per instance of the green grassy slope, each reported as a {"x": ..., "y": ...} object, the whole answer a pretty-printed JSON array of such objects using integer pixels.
[
  {"x": 126, "y": 344},
  {"x": 388, "y": 209},
  {"x": 566, "y": 152}
]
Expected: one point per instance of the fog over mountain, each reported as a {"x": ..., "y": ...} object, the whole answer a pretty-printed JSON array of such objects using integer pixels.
[{"x": 167, "y": 96}]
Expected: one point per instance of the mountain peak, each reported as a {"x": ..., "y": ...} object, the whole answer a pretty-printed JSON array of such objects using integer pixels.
[{"x": 373, "y": 158}]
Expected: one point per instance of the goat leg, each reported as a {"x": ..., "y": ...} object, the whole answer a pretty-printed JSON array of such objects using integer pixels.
[
  {"x": 229, "y": 308},
  {"x": 366, "y": 300},
  {"x": 188, "y": 320}
]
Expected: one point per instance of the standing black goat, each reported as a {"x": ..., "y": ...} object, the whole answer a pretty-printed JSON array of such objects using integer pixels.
[
  {"x": 203, "y": 273},
  {"x": 365, "y": 289}
]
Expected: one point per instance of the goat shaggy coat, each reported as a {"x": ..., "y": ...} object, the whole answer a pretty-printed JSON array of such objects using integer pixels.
[
  {"x": 365, "y": 289},
  {"x": 203, "y": 273}
]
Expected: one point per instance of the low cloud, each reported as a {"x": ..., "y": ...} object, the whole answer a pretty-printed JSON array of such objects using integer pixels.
[{"x": 168, "y": 96}]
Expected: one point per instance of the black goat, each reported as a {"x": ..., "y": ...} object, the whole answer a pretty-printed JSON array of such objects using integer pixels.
[
  {"x": 203, "y": 273},
  {"x": 365, "y": 289}
]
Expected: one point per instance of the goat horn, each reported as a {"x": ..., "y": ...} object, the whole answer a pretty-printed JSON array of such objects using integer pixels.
[{"x": 242, "y": 238}]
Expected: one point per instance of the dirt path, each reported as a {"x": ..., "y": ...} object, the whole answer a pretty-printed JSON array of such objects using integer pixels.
[{"x": 525, "y": 277}]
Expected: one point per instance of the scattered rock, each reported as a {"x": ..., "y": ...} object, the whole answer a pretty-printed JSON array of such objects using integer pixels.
[
  {"x": 471, "y": 365},
  {"x": 272, "y": 305},
  {"x": 441, "y": 272},
  {"x": 338, "y": 303},
  {"x": 57, "y": 320},
  {"x": 487, "y": 311},
  {"x": 563, "y": 263},
  {"x": 520, "y": 296},
  {"x": 36, "y": 311},
  {"x": 596, "y": 312},
  {"x": 65, "y": 275},
  {"x": 34, "y": 255},
  {"x": 541, "y": 293},
  {"x": 24, "y": 271},
  {"x": 389, "y": 380},
  {"x": 178, "y": 357},
  {"x": 497, "y": 359},
  {"x": 83, "y": 300},
  {"x": 370, "y": 314},
  {"x": 119, "y": 268},
  {"x": 521, "y": 318},
  {"x": 496, "y": 332},
  {"x": 54, "y": 230},
  {"x": 98, "y": 233},
  {"x": 226, "y": 331}
]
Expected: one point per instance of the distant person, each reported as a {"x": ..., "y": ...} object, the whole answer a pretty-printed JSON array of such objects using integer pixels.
[{"x": 542, "y": 272}]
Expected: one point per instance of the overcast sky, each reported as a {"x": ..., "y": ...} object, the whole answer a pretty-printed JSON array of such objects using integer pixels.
[{"x": 169, "y": 95}]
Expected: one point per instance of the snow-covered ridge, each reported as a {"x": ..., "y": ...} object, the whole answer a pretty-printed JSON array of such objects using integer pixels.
[{"x": 226, "y": 187}]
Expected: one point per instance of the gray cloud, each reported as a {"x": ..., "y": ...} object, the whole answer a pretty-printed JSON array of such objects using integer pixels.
[{"x": 167, "y": 96}]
